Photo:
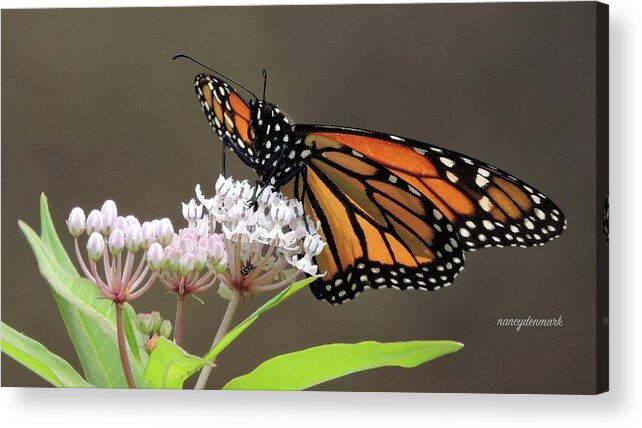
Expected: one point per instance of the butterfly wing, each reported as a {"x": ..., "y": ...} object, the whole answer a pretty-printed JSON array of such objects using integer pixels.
[
  {"x": 488, "y": 206},
  {"x": 228, "y": 114},
  {"x": 379, "y": 231}
]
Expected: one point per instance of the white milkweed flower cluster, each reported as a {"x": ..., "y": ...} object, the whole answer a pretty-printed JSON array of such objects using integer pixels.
[
  {"x": 267, "y": 238},
  {"x": 117, "y": 240}
]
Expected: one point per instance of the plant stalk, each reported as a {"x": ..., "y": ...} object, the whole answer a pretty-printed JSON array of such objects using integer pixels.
[
  {"x": 179, "y": 320},
  {"x": 122, "y": 346},
  {"x": 222, "y": 330}
]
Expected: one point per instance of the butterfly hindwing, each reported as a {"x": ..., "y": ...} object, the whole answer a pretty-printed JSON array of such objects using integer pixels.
[
  {"x": 488, "y": 206},
  {"x": 379, "y": 232}
]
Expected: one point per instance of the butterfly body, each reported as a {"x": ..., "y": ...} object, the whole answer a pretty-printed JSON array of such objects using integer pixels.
[{"x": 395, "y": 212}]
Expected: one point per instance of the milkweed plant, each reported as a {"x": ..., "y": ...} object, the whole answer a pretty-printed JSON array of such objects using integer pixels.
[{"x": 243, "y": 241}]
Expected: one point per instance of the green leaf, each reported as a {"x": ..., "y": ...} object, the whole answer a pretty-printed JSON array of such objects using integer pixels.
[
  {"x": 169, "y": 365},
  {"x": 50, "y": 238},
  {"x": 236, "y": 331},
  {"x": 303, "y": 369},
  {"x": 89, "y": 319},
  {"x": 40, "y": 360}
]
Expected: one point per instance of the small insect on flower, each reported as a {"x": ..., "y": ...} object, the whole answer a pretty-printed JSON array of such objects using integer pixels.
[{"x": 267, "y": 238}]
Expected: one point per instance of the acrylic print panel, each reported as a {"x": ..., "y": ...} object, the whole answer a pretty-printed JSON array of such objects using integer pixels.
[{"x": 95, "y": 110}]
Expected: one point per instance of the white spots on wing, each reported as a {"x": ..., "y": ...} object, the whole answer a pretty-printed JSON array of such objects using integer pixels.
[
  {"x": 452, "y": 177},
  {"x": 529, "y": 224},
  {"x": 422, "y": 152},
  {"x": 305, "y": 153},
  {"x": 514, "y": 228},
  {"x": 488, "y": 225},
  {"x": 471, "y": 224},
  {"x": 357, "y": 154},
  {"x": 481, "y": 181},
  {"x": 394, "y": 137},
  {"x": 483, "y": 172},
  {"x": 540, "y": 214},
  {"x": 392, "y": 179},
  {"x": 536, "y": 199},
  {"x": 446, "y": 161},
  {"x": 464, "y": 232},
  {"x": 438, "y": 215},
  {"x": 486, "y": 204}
]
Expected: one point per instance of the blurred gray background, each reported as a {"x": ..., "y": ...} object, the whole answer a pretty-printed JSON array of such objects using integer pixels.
[{"x": 93, "y": 108}]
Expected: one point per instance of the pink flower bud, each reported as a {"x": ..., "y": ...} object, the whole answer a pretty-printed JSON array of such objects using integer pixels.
[
  {"x": 200, "y": 258},
  {"x": 109, "y": 214},
  {"x": 95, "y": 246},
  {"x": 132, "y": 220},
  {"x": 218, "y": 256},
  {"x": 187, "y": 264},
  {"x": 94, "y": 222},
  {"x": 155, "y": 256},
  {"x": 149, "y": 235},
  {"x": 133, "y": 238},
  {"x": 76, "y": 222},
  {"x": 116, "y": 242},
  {"x": 164, "y": 231},
  {"x": 173, "y": 258},
  {"x": 119, "y": 223},
  {"x": 202, "y": 228}
]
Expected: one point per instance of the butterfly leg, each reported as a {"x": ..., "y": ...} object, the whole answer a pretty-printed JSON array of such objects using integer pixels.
[
  {"x": 304, "y": 176},
  {"x": 223, "y": 155}
]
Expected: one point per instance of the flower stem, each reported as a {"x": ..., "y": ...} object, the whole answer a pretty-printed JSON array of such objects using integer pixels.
[
  {"x": 179, "y": 320},
  {"x": 122, "y": 346},
  {"x": 222, "y": 329}
]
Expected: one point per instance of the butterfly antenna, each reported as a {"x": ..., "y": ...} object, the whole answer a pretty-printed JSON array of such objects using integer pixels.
[
  {"x": 216, "y": 72},
  {"x": 264, "y": 82}
]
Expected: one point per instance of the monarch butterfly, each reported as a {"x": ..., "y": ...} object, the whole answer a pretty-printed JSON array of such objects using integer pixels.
[{"x": 395, "y": 212}]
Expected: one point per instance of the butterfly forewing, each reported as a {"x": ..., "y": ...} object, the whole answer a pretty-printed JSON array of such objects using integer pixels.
[
  {"x": 488, "y": 207},
  {"x": 228, "y": 114}
]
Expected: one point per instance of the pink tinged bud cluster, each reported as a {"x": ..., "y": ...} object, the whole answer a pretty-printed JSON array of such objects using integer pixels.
[
  {"x": 268, "y": 239},
  {"x": 132, "y": 253},
  {"x": 193, "y": 259}
]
